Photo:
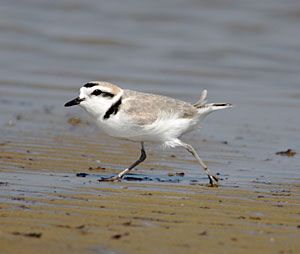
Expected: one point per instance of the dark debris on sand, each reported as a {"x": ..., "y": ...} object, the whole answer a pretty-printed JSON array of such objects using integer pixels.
[
  {"x": 118, "y": 236},
  {"x": 32, "y": 234},
  {"x": 82, "y": 174},
  {"x": 74, "y": 121},
  {"x": 288, "y": 152}
]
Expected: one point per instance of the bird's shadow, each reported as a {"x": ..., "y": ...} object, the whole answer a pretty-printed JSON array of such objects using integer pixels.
[{"x": 136, "y": 178}]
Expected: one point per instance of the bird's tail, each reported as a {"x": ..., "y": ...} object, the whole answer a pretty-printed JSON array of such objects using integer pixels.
[
  {"x": 217, "y": 106},
  {"x": 206, "y": 108},
  {"x": 202, "y": 99}
]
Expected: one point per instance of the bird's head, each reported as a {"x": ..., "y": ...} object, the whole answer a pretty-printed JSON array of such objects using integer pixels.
[{"x": 96, "y": 97}]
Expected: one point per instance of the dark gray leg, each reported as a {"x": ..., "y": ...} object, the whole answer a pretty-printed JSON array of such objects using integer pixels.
[
  {"x": 213, "y": 180},
  {"x": 118, "y": 177}
]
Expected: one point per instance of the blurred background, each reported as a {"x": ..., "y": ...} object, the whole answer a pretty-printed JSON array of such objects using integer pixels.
[{"x": 246, "y": 52}]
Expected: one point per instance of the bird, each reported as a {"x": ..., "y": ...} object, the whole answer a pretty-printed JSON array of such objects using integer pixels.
[{"x": 145, "y": 117}]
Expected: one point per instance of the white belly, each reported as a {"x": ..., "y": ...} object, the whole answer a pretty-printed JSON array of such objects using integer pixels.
[{"x": 160, "y": 131}]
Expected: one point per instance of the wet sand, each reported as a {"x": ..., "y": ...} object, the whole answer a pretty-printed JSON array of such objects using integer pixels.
[
  {"x": 129, "y": 218},
  {"x": 48, "y": 206}
]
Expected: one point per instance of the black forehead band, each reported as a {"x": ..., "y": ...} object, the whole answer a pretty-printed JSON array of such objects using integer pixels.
[{"x": 91, "y": 84}]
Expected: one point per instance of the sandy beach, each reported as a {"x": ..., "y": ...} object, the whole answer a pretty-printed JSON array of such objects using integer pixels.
[{"x": 52, "y": 202}]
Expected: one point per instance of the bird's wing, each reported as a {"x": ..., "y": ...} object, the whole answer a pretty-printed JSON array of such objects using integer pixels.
[{"x": 145, "y": 108}]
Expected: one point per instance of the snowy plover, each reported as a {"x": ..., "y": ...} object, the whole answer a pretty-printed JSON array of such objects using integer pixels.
[{"x": 144, "y": 117}]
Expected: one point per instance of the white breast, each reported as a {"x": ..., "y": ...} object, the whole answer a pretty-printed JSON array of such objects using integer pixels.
[{"x": 165, "y": 128}]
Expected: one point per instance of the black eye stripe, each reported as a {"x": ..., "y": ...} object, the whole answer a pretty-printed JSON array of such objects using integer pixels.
[{"x": 104, "y": 94}]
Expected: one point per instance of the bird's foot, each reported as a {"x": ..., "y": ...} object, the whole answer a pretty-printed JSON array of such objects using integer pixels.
[
  {"x": 213, "y": 181},
  {"x": 110, "y": 179}
]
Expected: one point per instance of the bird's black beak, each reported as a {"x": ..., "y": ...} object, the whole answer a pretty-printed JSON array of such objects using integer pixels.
[{"x": 74, "y": 102}]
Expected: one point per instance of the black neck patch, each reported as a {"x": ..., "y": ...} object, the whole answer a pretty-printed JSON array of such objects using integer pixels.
[
  {"x": 90, "y": 84},
  {"x": 113, "y": 109}
]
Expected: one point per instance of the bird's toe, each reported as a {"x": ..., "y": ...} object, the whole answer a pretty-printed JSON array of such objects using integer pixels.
[{"x": 110, "y": 179}]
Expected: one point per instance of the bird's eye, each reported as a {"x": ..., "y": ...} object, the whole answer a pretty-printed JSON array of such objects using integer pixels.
[
  {"x": 97, "y": 92},
  {"x": 104, "y": 94}
]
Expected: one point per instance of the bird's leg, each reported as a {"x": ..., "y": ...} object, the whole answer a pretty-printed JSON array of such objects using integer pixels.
[
  {"x": 133, "y": 165},
  {"x": 118, "y": 177},
  {"x": 213, "y": 180}
]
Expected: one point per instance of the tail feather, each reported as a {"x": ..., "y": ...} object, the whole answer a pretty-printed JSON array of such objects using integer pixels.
[
  {"x": 211, "y": 107},
  {"x": 217, "y": 106},
  {"x": 206, "y": 108},
  {"x": 202, "y": 99}
]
